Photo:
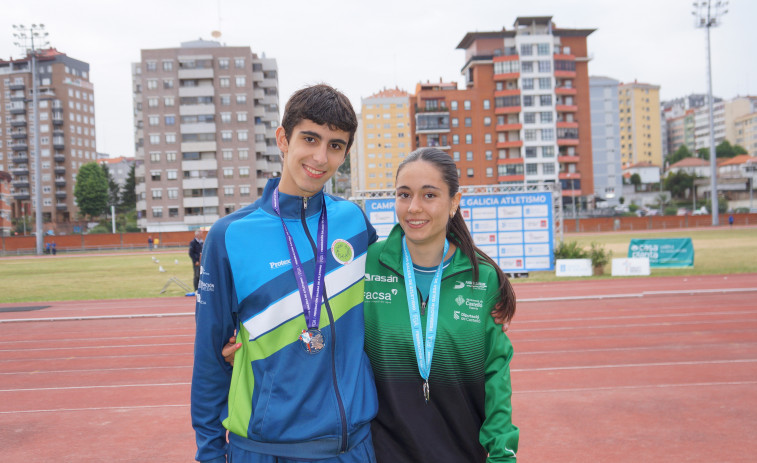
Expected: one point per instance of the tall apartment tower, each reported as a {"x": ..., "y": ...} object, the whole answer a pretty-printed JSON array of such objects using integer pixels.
[
  {"x": 385, "y": 138},
  {"x": 524, "y": 114},
  {"x": 605, "y": 140},
  {"x": 205, "y": 118},
  {"x": 66, "y": 133},
  {"x": 640, "y": 128}
]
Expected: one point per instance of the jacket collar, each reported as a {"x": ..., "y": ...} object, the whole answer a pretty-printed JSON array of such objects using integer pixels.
[
  {"x": 391, "y": 255},
  {"x": 290, "y": 206}
]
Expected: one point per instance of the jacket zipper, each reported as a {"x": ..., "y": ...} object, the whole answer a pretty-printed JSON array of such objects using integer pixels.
[{"x": 332, "y": 327}]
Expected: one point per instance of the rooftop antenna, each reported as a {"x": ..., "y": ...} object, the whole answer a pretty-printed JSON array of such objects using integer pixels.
[{"x": 216, "y": 34}]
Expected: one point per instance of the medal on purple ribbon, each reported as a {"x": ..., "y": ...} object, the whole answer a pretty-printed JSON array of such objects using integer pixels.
[{"x": 311, "y": 337}]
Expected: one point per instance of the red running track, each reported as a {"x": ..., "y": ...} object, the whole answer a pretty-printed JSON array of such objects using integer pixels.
[{"x": 620, "y": 370}]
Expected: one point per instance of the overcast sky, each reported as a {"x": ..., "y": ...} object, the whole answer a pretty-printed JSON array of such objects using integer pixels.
[{"x": 361, "y": 47}]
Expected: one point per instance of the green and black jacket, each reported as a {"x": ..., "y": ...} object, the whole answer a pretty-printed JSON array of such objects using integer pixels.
[{"x": 469, "y": 415}]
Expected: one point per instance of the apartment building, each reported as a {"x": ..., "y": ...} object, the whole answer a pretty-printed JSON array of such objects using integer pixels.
[
  {"x": 640, "y": 125},
  {"x": 6, "y": 227},
  {"x": 745, "y": 128},
  {"x": 385, "y": 138},
  {"x": 205, "y": 117},
  {"x": 524, "y": 114},
  {"x": 605, "y": 140},
  {"x": 119, "y": 168},
  {"x": 66, "y": 112}
]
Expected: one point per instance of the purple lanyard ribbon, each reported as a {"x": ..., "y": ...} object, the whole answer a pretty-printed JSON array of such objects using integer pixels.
[{"x": 311, "y": 305}]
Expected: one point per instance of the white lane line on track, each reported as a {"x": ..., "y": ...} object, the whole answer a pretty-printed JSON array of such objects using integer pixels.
[
  {"x": 644, "y": 386},
  {"x": 99, "y": 317},
  {"x": 639, "y": 294},
  {"x": 91, "y": 339},
  {"x": 642, "y": 316},
  {"x": 110, "y": 386},
  {"x": 92, "y": 370},
  {"x": 634, "y": 325},
  {"x": 88, "y": 409},
  {"x": 673, "y": 347},
  {"x": 636, "y": 365},
  {"x": 125, "y": 346}
]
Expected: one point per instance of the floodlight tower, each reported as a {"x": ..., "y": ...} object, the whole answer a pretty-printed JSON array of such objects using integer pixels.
[
  {"x": 23, "y": 34},
  {"x": 708, "y": 14}
]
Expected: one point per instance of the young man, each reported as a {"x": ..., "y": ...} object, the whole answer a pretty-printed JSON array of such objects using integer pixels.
[{"x": 287, "y": 273}]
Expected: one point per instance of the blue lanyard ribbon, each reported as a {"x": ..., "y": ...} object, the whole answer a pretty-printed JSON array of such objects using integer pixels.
[
  {"x": 423, "y": 354},
  {"x": 311, "y": 304}
]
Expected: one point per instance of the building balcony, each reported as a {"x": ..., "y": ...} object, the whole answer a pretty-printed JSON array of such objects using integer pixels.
[
  {"x": 508, "y": 92},
  {"x": 508, "y": 110},
  {"x": 21, "y": 97},
  {"x": 20, "y": 147},
  {"x": 20, "y": 183},
  {"x": 506, "y": 161},
  {"x": 561, "y": 108},
  {"x": 196, "y": 109},
  {"x": 22, "y": 196},
  {"x": 60, "y": 181},
  {"x": 203, "y": 90},
  {"x": 566, "y": 125},
  {"x": 199, "y": 183},
  {"x": 510, "y": 178},
  {"x": 567, "y": 142},
  {"x": 508, "y": 127},
  {"x": 18, "y": 122},
  {"x": 57, "y": 121},
  {"x": 59, "y": 157},
  {"x": 17, "y": 86},
  {"x": 200, "y": 165},
  {"x": 58, "y": 145},
  {"x": 20, "y": 159},
  {"x": 18, "y": 135},
  {"x": 200, "y": 219},
  {"x": 202, "y": 73},
  {"x": 567, "y": 159},
  {"x": 60, "y": 194},
  {"x": 208, "y": 201},
  {"x": 60, "y": 170},
  {"x": 19, "y": 171},
  {"x": 58, "y": 133},
  {"x": 61, "y": 206},
  {"x": 21, "y": 110},
  {"x": 506, "y": 76},
  {"x": 510, "y": 144},
  {"x": 565, "y": 91}
]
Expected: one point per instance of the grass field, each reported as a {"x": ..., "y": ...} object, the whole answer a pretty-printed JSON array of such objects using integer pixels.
[{"x": 136, "y": 275}]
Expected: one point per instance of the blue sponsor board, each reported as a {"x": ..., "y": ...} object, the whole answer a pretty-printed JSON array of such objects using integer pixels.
[{"x": 516, "y": 230}]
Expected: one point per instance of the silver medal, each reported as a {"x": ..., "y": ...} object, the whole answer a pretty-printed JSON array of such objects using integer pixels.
[{"x": 312, "y": 340}]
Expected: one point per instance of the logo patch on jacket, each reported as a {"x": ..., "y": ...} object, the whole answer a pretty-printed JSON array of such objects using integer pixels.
[{"x": 342, "y": 251}]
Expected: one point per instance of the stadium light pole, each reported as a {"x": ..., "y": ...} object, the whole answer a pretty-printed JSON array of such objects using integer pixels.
[
  {"x": 22, "y": 34},
  {"x": 707, "y": 16}
]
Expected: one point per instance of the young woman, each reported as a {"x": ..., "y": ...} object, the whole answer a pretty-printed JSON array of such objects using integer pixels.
[
  {"x": 440, "y": 360},
  {"x": 435, "y": 306}
]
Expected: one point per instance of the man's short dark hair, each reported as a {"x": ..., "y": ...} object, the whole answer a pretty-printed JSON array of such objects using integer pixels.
[{"x": 321, "y": 104}]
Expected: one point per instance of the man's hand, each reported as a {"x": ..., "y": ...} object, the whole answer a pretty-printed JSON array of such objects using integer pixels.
[{"x": 230, "y": 349}]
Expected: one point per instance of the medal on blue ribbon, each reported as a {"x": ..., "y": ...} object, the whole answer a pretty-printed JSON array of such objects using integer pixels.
[
  {"x": 423, "y": 351},
  {"x": 311, "y": 337}
]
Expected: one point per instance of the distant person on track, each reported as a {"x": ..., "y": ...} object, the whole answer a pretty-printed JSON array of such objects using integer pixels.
[
  {"x": 149, "y": 242},
  {"x": 286, "y": 273},
  {"x": 195, "y": 253}
]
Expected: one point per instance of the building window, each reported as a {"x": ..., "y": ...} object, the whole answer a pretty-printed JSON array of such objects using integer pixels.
[
  {"x": 529, "y": 118},
  {"x": 244, "y": 172},
  {"x": 487, "y": 138},
  {"x": 242, "y": 117},
  {"x": 488, "y": 155},
  {"x": 455, "y": 139},
  {"x": 528, "y": 100},
  {"x": 157, "y": 212},
  {"x": 530, "y": 151},
  {"x": 152, "y": 84},
  {"x": 242, "y": 135},
  {"x": 453, "y": 105},
  {"x": 470, "y": 172},
  {"x": 153, "y": 120},
  {"x": 468, "y": 122},
  {"x": 490, "y": 172},
  {"x": 548, "y": 168},
  {"x": 167, "y": 83},
  {"x": 151, "y": 65},
  {"x": 170, "y": 138},
  {"x": 173, "y": 193},
  {"x": 545, "y": 100},
  {"x": 239, "y": 63},
  {"x": 506, "y": 67},
  {"x": 527, "y": 66},
  {"x": 224, "y": 82},
  {"x": 545, "y": 83},
  {"x": 241, "y": 81},
  {"x": 469, "y": 155},
  {"x": 154, "y": 138},
  {"x": 545, "y": 66},
  {"x": 228, "y": 172},
  {"x": 157, "y": 193},
  {"x": 244, "y": 190},
  {"x": 455, "y": 122},
  {"x": 151, "y": 103},
  {"x": 241, "y": 98},
  {"x": 226, "y": 135},
  {"x": 170, "y": 120},
  {"x": 168, "y": 65},
  {"x": 223, "y": 63},
  {"x": 487, "y": 121},
  {"x": 529, "y": 135},
  {"x": 466, "y": 105},
  {"x": 155, "y": 157},
  {"x": 545, "y": 116},
  {"x": 542, "y": 49},
  {"x": 532, "y": 169},
  {"x": 173, "y": 212},
  {"x": 155, "y": 175},
  {"x": 487, "y": 104},
  {"x": 526, "y": 49},
  {"x": 171, "y": 175},
  {"x": 456, "y": 156},
  {"x": 168, "y": 101},
  {"x": 227, "y": 155},
  {"x": 547, "y": 134},
  {"x": 468, "y": 139},
  {"x": 228, "y": 191},
  {"x": 170, "y": 156}
]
